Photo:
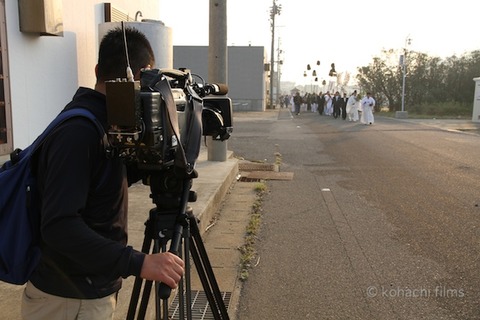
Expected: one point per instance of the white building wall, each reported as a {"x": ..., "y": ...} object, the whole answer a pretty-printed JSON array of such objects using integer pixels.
[
  {"x": 476, "y": 101},
  {"x": 45, "y": 71}
]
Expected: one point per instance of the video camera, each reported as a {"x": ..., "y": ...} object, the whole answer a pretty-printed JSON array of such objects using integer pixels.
[{"x": 158, "y": 121}]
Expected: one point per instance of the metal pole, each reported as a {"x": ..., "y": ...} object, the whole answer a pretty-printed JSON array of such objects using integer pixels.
[
  {"x": 272, "y": 53},
  {"x": 217, "y": 65},
  {"x": 404, "y": 69},
  {"x": 278, "y": 72},
  {"x": 403, "y": 85}
]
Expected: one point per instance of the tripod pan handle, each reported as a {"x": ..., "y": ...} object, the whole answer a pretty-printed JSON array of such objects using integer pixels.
[{"x": 164, "y": 291}]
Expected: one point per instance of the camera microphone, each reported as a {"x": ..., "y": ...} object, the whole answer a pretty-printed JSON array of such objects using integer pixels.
[{"x": 219, "y": 89}]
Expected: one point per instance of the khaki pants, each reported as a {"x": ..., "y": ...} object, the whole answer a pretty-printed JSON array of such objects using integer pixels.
[{"x": 38, "y": 305}]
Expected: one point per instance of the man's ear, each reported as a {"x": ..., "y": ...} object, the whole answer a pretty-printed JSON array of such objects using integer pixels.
[
  {"x": 137, "y": 75},
  {"x": 96, "y": 71}
]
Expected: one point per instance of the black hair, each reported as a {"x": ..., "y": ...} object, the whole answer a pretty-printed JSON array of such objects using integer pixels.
[{"x": 112, "y": 59}]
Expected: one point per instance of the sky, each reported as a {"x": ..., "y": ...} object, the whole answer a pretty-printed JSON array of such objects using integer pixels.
[{"x": 348, "y": 33}]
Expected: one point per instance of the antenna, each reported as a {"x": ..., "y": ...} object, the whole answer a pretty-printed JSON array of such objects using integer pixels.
[{"x": 129, "y": 70}]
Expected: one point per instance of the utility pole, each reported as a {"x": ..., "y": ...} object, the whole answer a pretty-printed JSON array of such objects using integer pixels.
[
  {"x": 279, "y": 72},
  {"x": 217, "y": 65},
  {"x": 403, "y": 63},
  {"x": 273, "y": 12}
]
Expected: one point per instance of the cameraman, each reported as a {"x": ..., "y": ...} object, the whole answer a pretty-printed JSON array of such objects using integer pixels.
[{"x": 84, "y": 206}]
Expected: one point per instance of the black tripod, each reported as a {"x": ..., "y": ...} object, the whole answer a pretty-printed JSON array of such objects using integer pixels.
[{"x": 172, "y": 220}]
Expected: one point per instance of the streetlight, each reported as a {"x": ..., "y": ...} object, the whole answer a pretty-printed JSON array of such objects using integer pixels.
[
  {"x": 403, "y": 64},
  {"x": 332, "y": 74},
  {"x": 314, "y": 74},
  {"x": 276, "y": 9}
]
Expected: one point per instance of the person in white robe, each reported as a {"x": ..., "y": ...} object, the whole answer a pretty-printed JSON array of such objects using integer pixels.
[
  {"x": 328, "y": 104},
  {"x": 314, "y": 102},
  {"x": 352, "y": 108},
  {"x": 367, "y": 103}
]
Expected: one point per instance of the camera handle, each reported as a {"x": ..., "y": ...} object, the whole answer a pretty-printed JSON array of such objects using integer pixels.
[{"x": 187, "y": 153}]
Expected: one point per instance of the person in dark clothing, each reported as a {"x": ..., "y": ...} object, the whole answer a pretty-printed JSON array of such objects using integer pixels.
[
  {"x": 321, "y": 102},
  {"x": 84, "y": 198},
  {"x": 344, "y": 106},
  {"x": 297, "y": 101},
  {"x": 337, "y": 105}
]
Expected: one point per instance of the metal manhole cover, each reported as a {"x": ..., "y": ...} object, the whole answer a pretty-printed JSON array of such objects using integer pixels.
[{"x": 200, "y": 306}]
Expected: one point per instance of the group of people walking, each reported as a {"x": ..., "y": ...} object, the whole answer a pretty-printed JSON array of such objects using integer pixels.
[{"x": 337, "y": 106}]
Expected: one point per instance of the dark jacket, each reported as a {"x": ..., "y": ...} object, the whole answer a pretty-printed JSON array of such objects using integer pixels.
[
  {"x": 297, "y": 100},
  {"x": 337, "y": 102},
  {"x": 84, "y": 210}
]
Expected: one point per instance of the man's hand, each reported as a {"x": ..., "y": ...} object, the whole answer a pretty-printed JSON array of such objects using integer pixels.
[{"x": 165, "y": 267}]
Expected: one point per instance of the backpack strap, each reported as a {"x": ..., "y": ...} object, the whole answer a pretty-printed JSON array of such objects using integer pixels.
[{"x": 61, "y": 118}]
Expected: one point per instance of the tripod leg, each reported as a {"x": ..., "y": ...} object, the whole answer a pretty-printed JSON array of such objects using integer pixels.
[
  {"x": 134, "y": 298},
  {"x": 150, "y": 227},
  {"x": 205, "y": 273},
  {"x": 161, "y": 305},
  {"x": 137, "y": 286},
  {"x": 204, "y": 281},
  {"x": 147, "y": 289},
  {"x": 184, "y": 296},
  {"x": 175, "y": 245},
  {"x": 188, "y": 286}
]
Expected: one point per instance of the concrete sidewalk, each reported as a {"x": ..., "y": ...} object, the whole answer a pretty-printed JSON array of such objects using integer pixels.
[{"x": 448, "y": 124}]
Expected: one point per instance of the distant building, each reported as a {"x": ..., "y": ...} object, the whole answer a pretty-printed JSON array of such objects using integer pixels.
[
  {"x": 246, "y": 75},
  {"x": 294, "y": 91},
  {"x": 286, "y": 86}
]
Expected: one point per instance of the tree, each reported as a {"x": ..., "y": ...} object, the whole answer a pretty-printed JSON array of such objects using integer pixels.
[
  {"x": 381, "y": 78},
  {"x": 429, "y": 80}
]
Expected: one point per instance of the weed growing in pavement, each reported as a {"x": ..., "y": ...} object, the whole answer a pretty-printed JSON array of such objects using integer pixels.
[
  {"x": 278, "y": 155},
  {"x": 278, "y": 158},
  {"x": 248, "y": 249},
  {"x": 260, "y": 187}
]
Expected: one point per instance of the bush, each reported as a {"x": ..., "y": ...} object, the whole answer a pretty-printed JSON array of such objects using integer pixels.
[{"x": 442, "y": 110}]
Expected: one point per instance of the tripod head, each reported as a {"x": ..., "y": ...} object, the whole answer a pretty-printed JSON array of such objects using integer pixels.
[{"x": 167, "y": 187}]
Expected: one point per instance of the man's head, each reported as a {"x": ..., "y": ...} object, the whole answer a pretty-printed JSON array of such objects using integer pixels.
[{"x": 112, "y": 58}]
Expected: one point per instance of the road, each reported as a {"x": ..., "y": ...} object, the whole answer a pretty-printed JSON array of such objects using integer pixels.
[{"x": 379, "y": 222}]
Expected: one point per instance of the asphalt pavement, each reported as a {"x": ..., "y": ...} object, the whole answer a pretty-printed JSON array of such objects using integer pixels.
[{"x": 319, "y": 240}]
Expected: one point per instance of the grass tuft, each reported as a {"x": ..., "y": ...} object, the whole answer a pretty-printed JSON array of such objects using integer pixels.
[{"x": 248, "y": 252}]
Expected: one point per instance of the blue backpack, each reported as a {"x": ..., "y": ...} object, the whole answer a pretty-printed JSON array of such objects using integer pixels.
[{"x": 20, "y": 206}]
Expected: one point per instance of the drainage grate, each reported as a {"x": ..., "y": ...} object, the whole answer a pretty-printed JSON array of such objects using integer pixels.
[
  {"x": 247, "y": 179},
  {"x": 200, "y": 307}
]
